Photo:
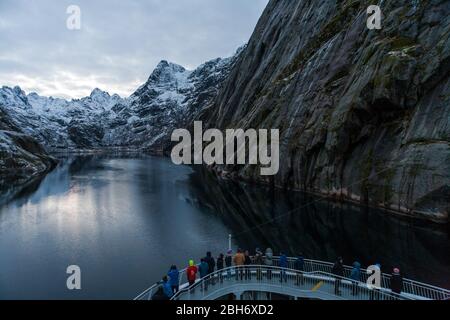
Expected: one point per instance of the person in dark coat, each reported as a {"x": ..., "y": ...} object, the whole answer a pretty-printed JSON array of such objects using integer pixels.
[
  {"x": 211, "y": 265},
  {"x": 229, "y": 263},
  {"x": 159, "y": 294},
  {"x": 283, "y": 265},
  {"x": 338, "y": 271},
  {"x": 220, "y": 266},
  {"x": 247, "y": 263},
  {"x": 396, "y": 282},
  {"x": 356, "y": 277},
  {"x": 300, "y": 267},
  {"x": 259, "y": 261},
  {"x": 211, "y": 262}
]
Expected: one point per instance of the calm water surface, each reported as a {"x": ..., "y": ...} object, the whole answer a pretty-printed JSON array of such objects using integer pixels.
[{"x": 125, "y": 220}]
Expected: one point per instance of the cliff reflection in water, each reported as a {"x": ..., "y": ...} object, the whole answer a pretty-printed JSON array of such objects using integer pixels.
[
  {"x": 295, "y": 222},
  {"x": 125, "y": 219}
]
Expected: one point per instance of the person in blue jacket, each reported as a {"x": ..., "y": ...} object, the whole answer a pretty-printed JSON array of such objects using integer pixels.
[
  {"x": 284, "y": 265},
  {"x": 355, "y": 275},
  {"x": 167, "y": 289},
  {"x": 174, "y": 279},
  {"x": 204, "y": 271}
]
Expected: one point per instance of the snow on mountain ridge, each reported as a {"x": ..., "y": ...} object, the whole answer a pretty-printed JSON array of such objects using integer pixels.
[
  {"x": 167, "y": 82},
  {"x": 55, "y": 122},
  {"x": 171, "y": 95}
]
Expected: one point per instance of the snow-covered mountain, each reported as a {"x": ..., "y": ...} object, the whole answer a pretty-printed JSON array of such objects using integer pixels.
[
  {"x": 57, "y": 123},
  {"x": 21, "y": 156},
  {"x": 169, "y": 99}
]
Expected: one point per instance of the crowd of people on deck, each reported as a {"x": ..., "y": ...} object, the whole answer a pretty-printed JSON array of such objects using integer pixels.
[
  {"x": 338, "y": 270},
  {"x": 236, "y": 263}
]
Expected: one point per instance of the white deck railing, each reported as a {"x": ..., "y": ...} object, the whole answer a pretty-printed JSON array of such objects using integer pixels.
[{"x": 316, "y": 275}]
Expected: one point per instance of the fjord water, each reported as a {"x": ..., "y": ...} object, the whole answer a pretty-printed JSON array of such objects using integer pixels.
[{"x": 125, "y": 220}]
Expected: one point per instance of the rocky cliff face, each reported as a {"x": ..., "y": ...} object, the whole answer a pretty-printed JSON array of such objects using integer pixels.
[
  {"x": 21, "y": 156},
  {"x": 364, "y": 115}
]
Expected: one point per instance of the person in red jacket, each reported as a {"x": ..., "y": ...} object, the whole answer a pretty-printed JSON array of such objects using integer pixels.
[{"x": 191, "y": 273}]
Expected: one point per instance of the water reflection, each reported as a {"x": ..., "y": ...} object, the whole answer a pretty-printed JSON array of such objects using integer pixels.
[
  {"x": 295, "y": 222},
  {"x": 124, "y": 220}
]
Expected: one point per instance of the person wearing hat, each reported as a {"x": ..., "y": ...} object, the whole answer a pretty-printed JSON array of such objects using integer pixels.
[
  {"x": 396, "y": 281},
  {"x": 191, "y": 273}
]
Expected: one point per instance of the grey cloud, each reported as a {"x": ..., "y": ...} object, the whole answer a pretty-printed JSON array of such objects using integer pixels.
[{"x": 120, "y": 41}]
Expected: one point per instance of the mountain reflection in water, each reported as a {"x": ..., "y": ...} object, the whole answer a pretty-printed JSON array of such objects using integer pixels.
[{"x": 125, "y": 219}]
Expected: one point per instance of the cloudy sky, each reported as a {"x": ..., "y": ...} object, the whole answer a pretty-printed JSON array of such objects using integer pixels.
[{"x": 119, "y": 44}]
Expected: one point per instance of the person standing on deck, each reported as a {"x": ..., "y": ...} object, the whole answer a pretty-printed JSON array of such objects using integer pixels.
[
  {"x": 247, "y": 262},
  {"x": 396, "y": 281},
  {"x": 283, "y": 265},
  {"x": 220, "y": 264},
  {"x": 204, "y": 270},
  {"x": 356, "y": 277},
  {"x": 268, "y": 260},
  {"x": 211, "y": 265},
  {"x": 229, "y": 262},
  {"x": 167, "y": 289},
  {"x": 239, "y": 261},
  {"x": 375, "y": 292},
  {"x": 259, "y": 261},
  {"x": 191, "y": 273},
  {"x": 300, "y": 267},
  {"x": 174, "y": 279},
  {"x": 338, "y": 271}
]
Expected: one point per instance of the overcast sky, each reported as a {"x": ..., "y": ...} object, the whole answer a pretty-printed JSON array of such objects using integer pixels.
[{"x": 120, "y": 41}]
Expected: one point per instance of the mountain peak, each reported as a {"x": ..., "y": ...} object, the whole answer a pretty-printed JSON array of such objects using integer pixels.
[
  {"x": 166, "y": 65},
  {"x": 97, "y": 92},
  {"x": 17, "y": 89}
]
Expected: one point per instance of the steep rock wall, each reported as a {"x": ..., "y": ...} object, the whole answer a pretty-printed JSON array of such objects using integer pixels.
[{"x": 364, "y": 115}]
